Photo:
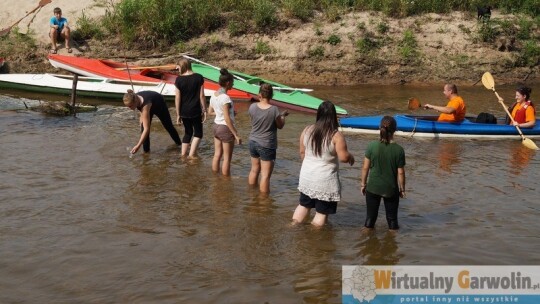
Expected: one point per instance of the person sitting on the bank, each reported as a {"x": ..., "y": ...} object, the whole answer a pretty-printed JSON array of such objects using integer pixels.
[
  {"x": 59, "y": 30},
  {"x": 455, "y": 110}
]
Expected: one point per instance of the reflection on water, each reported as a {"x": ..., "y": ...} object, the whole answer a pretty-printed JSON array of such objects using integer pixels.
[
  {"x": 379, "y": 250},
  {"x": 82, "y": 222},
  {"x": 521, "y": 157},
  {"x": 449, "y": 155}
]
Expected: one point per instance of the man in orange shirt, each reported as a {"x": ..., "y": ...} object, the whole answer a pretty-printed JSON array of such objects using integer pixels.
[{"x": 455, "y": 110}]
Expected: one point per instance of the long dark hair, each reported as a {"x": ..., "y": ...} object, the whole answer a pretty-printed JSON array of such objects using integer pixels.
[
  {"x": 387, "y": 128},
  {"x": 324, "y": 128}
]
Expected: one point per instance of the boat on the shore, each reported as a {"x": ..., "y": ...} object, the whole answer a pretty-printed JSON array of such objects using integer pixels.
[
  {"x": 284, "y": 96},
  {"x": 86, "y": 86},
  {"x": 116, "y": 70},
  {"x": 427, "y": 126}
]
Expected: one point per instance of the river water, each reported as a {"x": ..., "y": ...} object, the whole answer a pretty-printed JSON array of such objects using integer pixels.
[{"x": 82, "y": 222}]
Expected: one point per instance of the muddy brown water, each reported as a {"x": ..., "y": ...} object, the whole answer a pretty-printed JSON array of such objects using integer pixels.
[{"x": 81, "y": 222}]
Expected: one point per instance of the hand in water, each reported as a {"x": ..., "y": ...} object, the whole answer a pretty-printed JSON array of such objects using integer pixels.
[{"x": 130, "y": 154}]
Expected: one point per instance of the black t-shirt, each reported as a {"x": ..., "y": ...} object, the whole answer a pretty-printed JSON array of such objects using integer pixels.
[
  {"x": 156, "y": 101},
  {"x": 190, "y": 88}
]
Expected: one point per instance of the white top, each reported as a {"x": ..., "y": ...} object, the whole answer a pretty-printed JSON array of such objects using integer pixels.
[
  {"x": 217, "y": 102},
  {"x": 319, "y": 175}
]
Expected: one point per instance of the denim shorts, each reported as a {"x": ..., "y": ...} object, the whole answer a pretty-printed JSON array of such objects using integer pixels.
[{"x": 257, "y": 151}]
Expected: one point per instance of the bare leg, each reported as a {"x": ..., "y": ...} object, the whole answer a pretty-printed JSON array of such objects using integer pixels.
[
  {"x": 253, "y": 178},
  {"x": 300, "y": 214},
  {"x": 218, "y": 151},
  {"x": 185, "y": 148},
  {"x": 194, "y": 146},
  {"x": 66, "y": 34},
  {"x": 319, "y": 219},
  {"x": 52, "y": 35},
  {"x": 228, "y": 149},
  {"x": 266, "y": 171}
]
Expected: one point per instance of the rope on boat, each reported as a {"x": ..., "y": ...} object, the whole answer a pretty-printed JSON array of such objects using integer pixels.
[{"x": 414, "y": 128}]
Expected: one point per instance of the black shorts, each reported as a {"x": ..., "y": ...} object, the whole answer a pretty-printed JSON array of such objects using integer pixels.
[{"x": 322, "y": 207}]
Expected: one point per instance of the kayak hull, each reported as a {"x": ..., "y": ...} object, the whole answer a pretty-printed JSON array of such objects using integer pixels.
[{"x": 427, "y": 126}]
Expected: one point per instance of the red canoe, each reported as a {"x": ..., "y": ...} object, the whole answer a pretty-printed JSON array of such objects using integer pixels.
[{"x": 116, "y": 70}]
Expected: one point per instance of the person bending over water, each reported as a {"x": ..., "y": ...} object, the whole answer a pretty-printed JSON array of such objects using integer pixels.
[
  {"x": 384, "y": 161},
  {"x": 225, "y": 133},
  {"x": 265, "y": 120},
  {"x": 322, "y": 147},
  {"x": 150, "y": 103}
]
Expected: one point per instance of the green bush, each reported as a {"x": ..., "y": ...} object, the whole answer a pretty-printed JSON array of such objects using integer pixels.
[
  {"x": 333, "y": 39},
  {"x": 301, "y": 9},
  {"x": 487, "y": 33},
  {"x": 529, "y": 54},
  {"x": 265, "y": 15},
  {"x": 87, "y": 28},
  {"x": 316, "y": 52},
  {"x": 262, "y": 47},
  {"x": 383, "y": 27},
  {"x": 366, "y": 45},
  {"x": 408, "y": 46}
]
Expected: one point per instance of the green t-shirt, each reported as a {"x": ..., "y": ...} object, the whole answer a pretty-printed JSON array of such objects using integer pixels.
[{"x": 383, "y": 171}]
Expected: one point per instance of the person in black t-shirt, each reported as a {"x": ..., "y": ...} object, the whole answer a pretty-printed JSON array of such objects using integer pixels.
[
  {"x": 150, "y": 103},
  {"x": 190, "y": 107}
]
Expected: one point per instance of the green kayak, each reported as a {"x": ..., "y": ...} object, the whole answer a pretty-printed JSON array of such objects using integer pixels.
[{"x": 284, "y": 96}]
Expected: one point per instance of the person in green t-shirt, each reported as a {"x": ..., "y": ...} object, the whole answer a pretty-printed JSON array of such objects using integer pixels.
[{"x": 384, "y": 162}]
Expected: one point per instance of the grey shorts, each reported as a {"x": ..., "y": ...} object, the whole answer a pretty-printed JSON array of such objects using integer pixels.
[{"x": 223, "y": 133}]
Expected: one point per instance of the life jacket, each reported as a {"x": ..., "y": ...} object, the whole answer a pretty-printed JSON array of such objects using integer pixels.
[{"x": 520, "y": 116}]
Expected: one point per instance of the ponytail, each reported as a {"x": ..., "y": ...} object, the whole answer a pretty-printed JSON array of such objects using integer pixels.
[{"x": 387, "y": 128}]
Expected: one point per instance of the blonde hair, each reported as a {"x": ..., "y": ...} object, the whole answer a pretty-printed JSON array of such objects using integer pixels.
[{"x": 129, "y": 98}]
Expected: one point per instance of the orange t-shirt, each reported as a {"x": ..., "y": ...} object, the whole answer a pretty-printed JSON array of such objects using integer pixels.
[
  {"x": 458, "y": 104},
  {"x": 529, "y": 113}
]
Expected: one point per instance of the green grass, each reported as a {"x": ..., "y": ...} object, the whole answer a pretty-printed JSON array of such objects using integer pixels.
[{"x": 147, "y": 24}]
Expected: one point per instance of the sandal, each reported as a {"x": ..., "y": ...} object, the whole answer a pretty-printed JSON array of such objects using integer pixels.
[
  {"x": 69, "y": 50},
  {"x": 52, "y": 51}
]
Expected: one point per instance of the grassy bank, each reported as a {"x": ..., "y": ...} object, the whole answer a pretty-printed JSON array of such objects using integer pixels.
[{"x": 165, "y": 22}]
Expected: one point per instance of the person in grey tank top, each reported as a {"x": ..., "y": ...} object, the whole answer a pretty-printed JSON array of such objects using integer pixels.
[{"x": 265, "y": 120}]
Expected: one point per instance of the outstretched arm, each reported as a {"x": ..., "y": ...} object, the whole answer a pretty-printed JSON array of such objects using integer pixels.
[
  {"x": 145, "y": 118},
  {"x": 447, "y": 110}
]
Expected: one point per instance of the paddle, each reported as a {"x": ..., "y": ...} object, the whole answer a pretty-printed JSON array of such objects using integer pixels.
[
  {"x": 413, "y": 103},
  {"x": 167, "y": 67},
  {"x": 242, "y": 79},
  {"x": 489, "y": 83},
  {"x": 40, "y": 5}
]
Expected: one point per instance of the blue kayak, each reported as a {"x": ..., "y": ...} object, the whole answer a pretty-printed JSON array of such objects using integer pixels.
[{"x": 427, "y": 126}]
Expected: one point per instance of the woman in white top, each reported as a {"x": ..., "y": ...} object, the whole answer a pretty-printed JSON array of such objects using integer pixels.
[
  {"x": 322, "y": 147},
  {"x": 225, "y": 134}
]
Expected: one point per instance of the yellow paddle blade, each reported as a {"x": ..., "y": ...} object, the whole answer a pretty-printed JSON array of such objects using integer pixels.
[
  {"x": 488, "y": 81},
  {"x": 529, "y": 144},
  {"x": 414, "y": 104}
]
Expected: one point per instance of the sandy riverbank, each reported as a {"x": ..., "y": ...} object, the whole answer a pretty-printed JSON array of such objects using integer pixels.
[{"x": 446, "y": 51}]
